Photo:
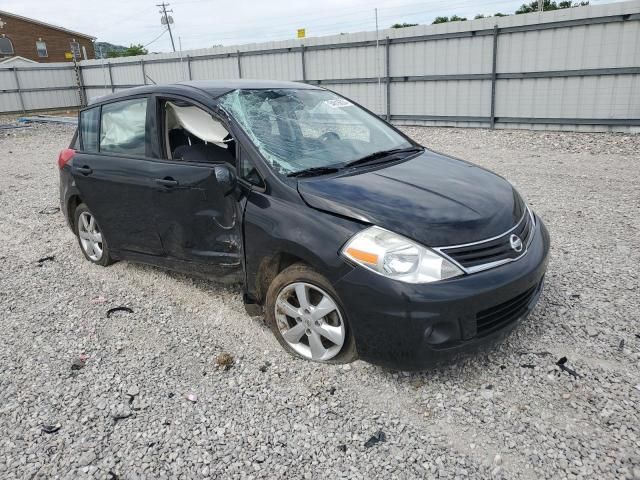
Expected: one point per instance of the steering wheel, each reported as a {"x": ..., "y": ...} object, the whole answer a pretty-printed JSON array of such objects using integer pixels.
[{"x": 329, "y": 136}]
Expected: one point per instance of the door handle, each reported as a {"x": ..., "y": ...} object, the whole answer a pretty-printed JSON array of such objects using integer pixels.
[
  {"x": 167, "y": 182},
  {"x": 85, "y": 170}
]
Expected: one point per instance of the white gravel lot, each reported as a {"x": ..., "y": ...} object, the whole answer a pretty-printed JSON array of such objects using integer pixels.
[{"x": 508, "y": 413}]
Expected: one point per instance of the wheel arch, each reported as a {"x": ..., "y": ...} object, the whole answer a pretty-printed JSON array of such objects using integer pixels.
[
  {"x": 72, "y": 203},
  {"x": 269, "y": 268}
]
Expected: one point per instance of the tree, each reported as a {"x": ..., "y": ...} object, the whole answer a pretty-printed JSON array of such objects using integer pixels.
[
  {"x": 403, "y": 25},
  {"x": 482, "y": 15},
  {"x": 131, "y": 51},
  {"x": 548, "y": 5},
  {"x": 454, "y": 18}
]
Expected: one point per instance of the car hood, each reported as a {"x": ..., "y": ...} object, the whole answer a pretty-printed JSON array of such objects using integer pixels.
[{"x": 431, "y": 198}]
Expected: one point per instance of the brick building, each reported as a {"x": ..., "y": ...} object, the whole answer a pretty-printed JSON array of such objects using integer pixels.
[{"x": 40, "y": 41}]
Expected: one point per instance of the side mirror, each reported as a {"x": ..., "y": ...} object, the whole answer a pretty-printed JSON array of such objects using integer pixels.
[{"x": 226, "y": 177}]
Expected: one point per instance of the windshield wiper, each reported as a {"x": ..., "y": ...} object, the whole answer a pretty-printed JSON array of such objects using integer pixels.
[
  {"x": 381, "y": 154},
  {"x": 313, "y": 171}
]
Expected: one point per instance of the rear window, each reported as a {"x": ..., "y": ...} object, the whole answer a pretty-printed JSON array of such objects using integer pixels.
[
  {"x": 123, "y": 127},
  {"x": 89, "y": 129}
]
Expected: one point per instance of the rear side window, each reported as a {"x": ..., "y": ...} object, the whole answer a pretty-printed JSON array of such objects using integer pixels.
[
  {"x": 123, "y": 127},
  {"x": 75, "y": 141},
  {"x": 89, "y": 129}
]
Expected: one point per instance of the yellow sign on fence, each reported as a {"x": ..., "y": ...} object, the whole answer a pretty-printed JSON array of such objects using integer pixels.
[{"x": 302, "y": 33}]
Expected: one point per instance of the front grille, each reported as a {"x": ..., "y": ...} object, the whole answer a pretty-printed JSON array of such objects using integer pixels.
[
  {"x": 481, "y": 255},
  {"x": 501, "y": 315}
]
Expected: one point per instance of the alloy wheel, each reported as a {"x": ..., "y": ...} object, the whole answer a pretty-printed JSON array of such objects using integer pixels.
[
  {"x": 90, "y": 236},
  {"x": 310, "y": 321}
]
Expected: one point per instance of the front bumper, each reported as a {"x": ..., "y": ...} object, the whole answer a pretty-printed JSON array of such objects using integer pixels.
[{"x": 410, "y": 327}]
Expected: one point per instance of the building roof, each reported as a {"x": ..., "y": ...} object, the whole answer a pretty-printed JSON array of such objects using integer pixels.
[
  {"x": 17, "y": 60},
  {"x": 49, "y": 25}
]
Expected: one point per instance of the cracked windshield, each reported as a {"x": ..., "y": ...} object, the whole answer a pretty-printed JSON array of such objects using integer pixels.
[{"x": 299, "y": 130}]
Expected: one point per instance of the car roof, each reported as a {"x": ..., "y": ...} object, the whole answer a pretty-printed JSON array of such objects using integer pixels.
[
  {"x": 220, "y": 87},
  {"x": 213, "y": 88}
]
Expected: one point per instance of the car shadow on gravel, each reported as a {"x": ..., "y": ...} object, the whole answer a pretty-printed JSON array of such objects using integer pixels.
[
  {"x": 198, "y": 285},
  {"x": 507, "y": 354}
]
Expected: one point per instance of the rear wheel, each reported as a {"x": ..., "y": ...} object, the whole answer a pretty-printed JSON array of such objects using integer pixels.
[
  {"x": 92, "y": 242},
  {"x": 306, "y": 316}
]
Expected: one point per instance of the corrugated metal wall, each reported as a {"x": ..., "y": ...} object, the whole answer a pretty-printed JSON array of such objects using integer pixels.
[{"x": 576, "y": 69}]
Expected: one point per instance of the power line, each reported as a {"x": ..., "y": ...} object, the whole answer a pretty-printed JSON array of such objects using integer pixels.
[{"x": 157, "y": 38}]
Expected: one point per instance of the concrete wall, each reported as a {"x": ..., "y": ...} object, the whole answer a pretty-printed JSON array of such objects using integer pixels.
[{"x": 573, "y": 69}]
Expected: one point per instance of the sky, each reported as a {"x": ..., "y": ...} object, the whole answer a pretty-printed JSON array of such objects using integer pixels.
[{"x": 205, "y": 23}]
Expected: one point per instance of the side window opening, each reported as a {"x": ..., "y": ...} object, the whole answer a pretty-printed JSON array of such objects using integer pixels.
[{"x": 193, "y": 135}]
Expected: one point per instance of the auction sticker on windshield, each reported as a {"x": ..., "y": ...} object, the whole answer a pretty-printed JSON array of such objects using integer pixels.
[{"x": 338, "y": 103}]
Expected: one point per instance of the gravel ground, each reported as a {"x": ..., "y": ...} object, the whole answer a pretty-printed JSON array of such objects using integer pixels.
[{"x": 139, "y": 395}]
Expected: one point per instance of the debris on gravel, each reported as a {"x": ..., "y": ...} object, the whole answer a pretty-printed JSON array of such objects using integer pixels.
[
  {"x": 297, "y": 419},
  {"x": 225, "y": 360},
  {"x": 51, "y": 428},
  {"x": 113, "y": 310},
  {"x": 48, "y": 258},
  {"x": 78, "y": 363},
  {"x": 377, "y": 438}
]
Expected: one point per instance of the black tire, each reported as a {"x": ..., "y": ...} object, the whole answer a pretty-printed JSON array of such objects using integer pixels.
[
  {"x": 302, "y": 273},
  {"x": 104, "y": 259}
]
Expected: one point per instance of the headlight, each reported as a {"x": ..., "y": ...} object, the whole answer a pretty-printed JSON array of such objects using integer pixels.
[{"x": 397, "y": 257}]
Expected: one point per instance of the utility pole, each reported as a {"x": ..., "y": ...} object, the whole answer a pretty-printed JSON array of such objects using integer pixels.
[
  {"x": 166, "y": 21},
  {"x": 540, "y": 5},
  {"x": 378, "y": 61}
]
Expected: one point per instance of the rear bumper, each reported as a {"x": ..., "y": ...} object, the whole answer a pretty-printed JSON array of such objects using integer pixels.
[
  {"x": 412, "y": 327},
  {"x": 67, "y": 190}
]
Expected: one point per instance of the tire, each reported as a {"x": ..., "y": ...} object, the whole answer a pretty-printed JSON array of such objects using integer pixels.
[
  {"x": 332, "y": 331},
  {"x": 88, "y": 233}
]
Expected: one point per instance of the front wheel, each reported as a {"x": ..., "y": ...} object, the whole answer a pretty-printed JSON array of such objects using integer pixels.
[
  {"x": 306, "y": 316},
  {"x": 90, "y": 237}
]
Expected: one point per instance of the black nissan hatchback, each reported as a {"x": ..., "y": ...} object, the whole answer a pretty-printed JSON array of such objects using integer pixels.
[{"x": 350, "y": 238}]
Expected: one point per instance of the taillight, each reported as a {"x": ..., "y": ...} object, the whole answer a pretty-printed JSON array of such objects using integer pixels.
[{"x": 65, "y": 156}]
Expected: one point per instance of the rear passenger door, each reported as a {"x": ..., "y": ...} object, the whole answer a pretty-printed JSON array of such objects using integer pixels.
[{"x": 111, "y": 171}]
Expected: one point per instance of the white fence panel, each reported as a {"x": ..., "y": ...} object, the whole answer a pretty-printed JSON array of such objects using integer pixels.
[
  {"x": 576, "y": 68},
  {"x": 46, "y": 100},
  {"x": 441, "y": 98},
  {"x": 126, "y": 74},
  {"x": 96, "y": 76},
  {"x": 442, "y": 57},
  {"x": 278, "y": 66},
  {"x": 353, "y": 62},
  {"x": 166, "y": 72},
  {"x": 7, "y": 80},
  {"x": 214, "y": 68}
]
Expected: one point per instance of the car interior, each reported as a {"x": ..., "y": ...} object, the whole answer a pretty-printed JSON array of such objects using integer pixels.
[{"x": 193, "y": 135}]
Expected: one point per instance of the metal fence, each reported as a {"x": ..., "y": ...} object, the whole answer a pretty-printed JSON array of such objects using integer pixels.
[{"x": 574, "y": 69}]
